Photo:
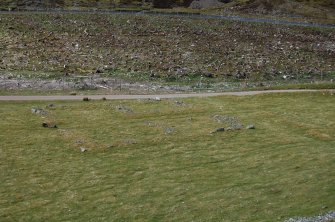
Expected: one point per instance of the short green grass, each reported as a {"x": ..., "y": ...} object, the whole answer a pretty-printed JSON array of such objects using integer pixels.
[
  {"x": 319, "y": 85},
  {"x": 158, "y": 161}
]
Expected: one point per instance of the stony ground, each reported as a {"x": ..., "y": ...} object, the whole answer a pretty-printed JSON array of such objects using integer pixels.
[
  {"x": 328, "y": 217},
  {"x": 154, "y": 47}
]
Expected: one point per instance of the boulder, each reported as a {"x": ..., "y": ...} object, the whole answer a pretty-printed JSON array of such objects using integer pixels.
[
  {"x": 49, "y": 125},
  {"x": 83, "y": 149},
  {"x": 219, "y": 130}
]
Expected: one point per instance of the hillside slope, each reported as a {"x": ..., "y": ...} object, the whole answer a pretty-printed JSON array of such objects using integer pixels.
[
  {"x": 323, "y": 10},
  {"x": 245, "y": 4},
  {"x": 156, "y": 47}
]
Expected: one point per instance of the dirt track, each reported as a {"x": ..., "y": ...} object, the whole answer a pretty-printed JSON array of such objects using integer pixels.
[{"x": 162, "y": 96}]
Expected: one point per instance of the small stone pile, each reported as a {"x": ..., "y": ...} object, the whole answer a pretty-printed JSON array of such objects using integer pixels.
[
  {"x": 232, "y": 123},
  {"x": 123, "y": 109},
  {"x": 39, "y": 111}
]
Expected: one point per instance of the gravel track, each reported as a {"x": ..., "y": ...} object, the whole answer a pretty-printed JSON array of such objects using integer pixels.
[{"x": 157, "y": 96}]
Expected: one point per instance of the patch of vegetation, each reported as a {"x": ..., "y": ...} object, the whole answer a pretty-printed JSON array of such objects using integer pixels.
[
  {"x": 300, "y": 86},
  {"x": 158, "y": 160}
]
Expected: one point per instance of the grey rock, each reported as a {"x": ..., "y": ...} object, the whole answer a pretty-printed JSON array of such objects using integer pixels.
[
  {"x": 100, "y": 70},
  {"x": 219, "y": 130},
  {"x": 51, "y": 106},
  {"x": 169, "y": 130},
  {"x": 209, "y": 75},
  {"x": 83, "y": 149},
  {"x": 251, "y": 127},
  {"x": 49, "y": 125}
]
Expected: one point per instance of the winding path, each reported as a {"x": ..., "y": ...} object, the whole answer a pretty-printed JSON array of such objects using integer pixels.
[{"x": 155, "y": 97}]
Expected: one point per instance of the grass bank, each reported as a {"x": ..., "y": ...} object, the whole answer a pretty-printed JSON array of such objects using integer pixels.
[{"x": 157, "y": 160}]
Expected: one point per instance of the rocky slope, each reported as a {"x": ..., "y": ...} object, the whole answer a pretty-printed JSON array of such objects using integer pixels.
[
  {"x": 246, "y": 4},
  {"x": 319, "y": 10},
  {"x": 155, "y": 47}
]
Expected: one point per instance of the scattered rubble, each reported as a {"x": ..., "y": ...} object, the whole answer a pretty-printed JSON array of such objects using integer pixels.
[
  {"x": 179, "y": 103},
  {"x": 40, "y": 111},
  {"x": 231, "y": 121},
  {"x": 117, "y": 86},
  {"x": 173, "y": 49},
  {"x": 86, "y": 83},
  {"x": 328, "y": 217},
  {"x": 124, "y": 109}
]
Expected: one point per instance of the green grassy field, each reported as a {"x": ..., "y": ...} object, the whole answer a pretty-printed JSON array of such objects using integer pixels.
[{"x": 158, "y": 161}]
